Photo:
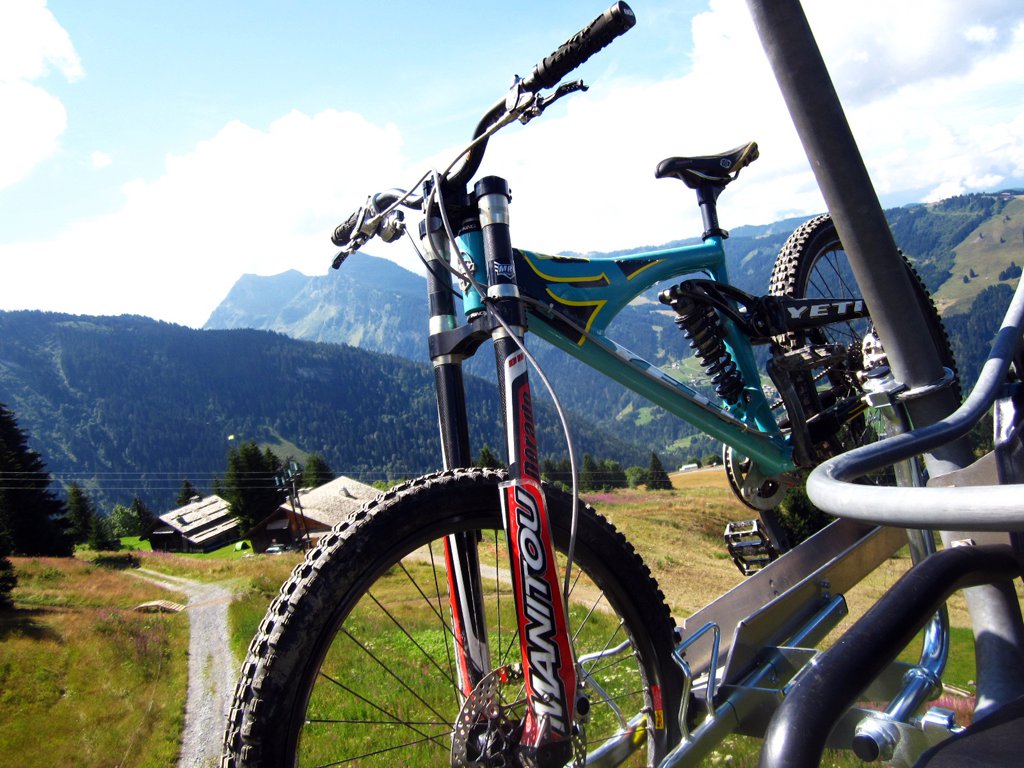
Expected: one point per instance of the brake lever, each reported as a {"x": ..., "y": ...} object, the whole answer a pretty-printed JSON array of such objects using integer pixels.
[
  {"x": 347, "y": 251},
  {"x": 543, "y": 102},
  {"x": 524, "y": 105},
  {"x": 563, "y": 90}
]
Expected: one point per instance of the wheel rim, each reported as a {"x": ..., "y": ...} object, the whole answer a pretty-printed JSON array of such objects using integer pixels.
[
  {"x": 827, "y": 274},
  {"x": 385, "y": 692}
]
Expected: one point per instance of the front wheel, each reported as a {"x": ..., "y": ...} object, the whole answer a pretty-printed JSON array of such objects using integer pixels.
[{"x": 353, "y": 663}]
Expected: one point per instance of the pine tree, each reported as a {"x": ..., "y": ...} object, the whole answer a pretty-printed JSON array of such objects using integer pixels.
[
  {"x": 80, "y": 514},
  {"x": 32, "y": 515},
  {"x": 186, "y": 493},
  {"x": 101, "y": 536},
  {"x": 8, "y": 579},
  {"x": 557, "y": 472},
  {"x": 613, "y": 475},
  {"x": 316, "y": 472},
  {"x": 250, "y": 484},
  {"x": 657, "y": 477},
  {"x": 590, "y": 475},
  {"x": 147, "y": 520},
  {"x": 487, "y": 459}
]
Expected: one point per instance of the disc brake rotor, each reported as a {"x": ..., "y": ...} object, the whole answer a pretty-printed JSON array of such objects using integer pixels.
[{"x": 488, "y": 729}]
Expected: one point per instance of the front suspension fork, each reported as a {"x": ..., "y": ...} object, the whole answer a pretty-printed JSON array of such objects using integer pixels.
[{"x": 549, "y": 674}]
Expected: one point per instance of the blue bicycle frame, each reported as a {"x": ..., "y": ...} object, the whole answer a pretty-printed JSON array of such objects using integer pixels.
[{"x": 572, "y": 300}]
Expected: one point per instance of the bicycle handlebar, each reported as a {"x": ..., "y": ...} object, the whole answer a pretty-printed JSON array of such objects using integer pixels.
[
  {"x": 616, "y": 21},
  {"x": 367, "y": 222}
]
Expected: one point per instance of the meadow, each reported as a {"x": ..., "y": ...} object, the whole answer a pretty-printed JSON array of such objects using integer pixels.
[{"x": 88, "y": 681}]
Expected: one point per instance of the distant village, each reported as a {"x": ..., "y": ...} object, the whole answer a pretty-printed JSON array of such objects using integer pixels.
[{"x": 206, "y": 524}]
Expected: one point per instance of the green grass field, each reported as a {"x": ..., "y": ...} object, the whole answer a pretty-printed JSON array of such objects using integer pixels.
[
  {"x": 988, "y": 250},
  {"x": 85, "y": 680},
  {"x": 73, "y": 652}
]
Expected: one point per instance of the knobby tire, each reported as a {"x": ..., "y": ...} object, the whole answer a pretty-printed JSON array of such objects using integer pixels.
[
  {"x": 813, "y": 264},
  {"x": 331, "y": 677}
]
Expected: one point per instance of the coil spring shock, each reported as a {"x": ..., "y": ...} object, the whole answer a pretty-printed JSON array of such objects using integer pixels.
[{"x": 702, "y": 327}]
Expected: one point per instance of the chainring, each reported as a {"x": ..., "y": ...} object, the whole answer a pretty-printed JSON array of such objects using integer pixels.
[{"x": 752, "y": 487}]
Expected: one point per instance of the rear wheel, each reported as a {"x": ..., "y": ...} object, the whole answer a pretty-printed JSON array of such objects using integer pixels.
[
  {"x": 353, "y": 663},
  {"x": 813, "y": 264}
]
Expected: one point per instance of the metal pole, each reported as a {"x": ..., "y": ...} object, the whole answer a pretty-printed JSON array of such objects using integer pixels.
[
  {"x": 860, "y": 221},
  {"x": 864, "y": 231}
]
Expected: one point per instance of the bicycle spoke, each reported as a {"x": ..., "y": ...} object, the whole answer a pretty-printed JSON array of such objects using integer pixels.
[
  {"x": 447, "y": 647},
  {"x": 387, "y": 669},
  {"x": 586, "y": 618},
  {"x": 395, "y": 720},
  {"x": 424, "y": 740},
  {"x": 405, "y": 632},
  {"x": 622, "y": 659},
  {"x": 437, "y": 613}
]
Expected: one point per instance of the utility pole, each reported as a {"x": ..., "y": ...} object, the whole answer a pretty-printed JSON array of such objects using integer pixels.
[{"x": 289, "y": 480}]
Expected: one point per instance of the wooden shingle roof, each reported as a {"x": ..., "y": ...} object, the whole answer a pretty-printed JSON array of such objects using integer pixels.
[{"x": 201, "y": 520}]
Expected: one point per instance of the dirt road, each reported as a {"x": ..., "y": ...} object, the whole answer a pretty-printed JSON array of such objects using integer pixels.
[{"x": 212, "y": 671}]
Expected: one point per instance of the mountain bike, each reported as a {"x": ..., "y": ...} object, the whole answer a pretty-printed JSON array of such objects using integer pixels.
[{"x": 479, "y": 617}]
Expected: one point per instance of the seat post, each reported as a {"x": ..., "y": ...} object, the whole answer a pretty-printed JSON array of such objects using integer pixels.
[{"x": 707, "y": 199}]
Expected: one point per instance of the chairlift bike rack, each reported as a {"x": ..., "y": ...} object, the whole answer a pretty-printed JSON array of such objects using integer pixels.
[
  {"x": 799, "y": 729},
  {"x": 985, "y": 506}
]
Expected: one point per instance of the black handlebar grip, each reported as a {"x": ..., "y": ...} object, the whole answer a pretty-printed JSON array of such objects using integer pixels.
[
  {"x": 343, "y": 233},
  {"x": 616, "y": 21}
]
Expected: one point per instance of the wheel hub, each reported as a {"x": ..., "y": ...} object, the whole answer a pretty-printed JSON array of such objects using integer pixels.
[{"x": 488, "y": 731}]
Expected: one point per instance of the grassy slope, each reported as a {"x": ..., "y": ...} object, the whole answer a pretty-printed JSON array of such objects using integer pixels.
[
  {"x": 84, "y": 680},
  {"x": 255, "y": 581},
  {"x": 684, "y": 537},
  {"x": 987, "y": 250}
]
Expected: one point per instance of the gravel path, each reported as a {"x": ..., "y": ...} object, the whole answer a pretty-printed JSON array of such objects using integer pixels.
[{"x": 212, "y": 671}]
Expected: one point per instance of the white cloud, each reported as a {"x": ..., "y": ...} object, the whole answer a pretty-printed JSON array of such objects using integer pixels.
[
  {"x": 243, "y": 201},
  {"x": 30, "y": 135},
  {"x": 32, "y": 43},
  {"x": 100, "y": 159},
  {"x": 932, "y": 108},
  {"x": 980, "y": 34}
]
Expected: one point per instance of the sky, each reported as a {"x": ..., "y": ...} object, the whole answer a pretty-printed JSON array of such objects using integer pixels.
[{"x": 153, "y": 151}]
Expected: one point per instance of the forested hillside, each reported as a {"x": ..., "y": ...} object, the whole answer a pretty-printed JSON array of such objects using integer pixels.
[
  {"x": 373, "y": 304},
  {"x": 931, "y": 234},
  {"x": 961, "y": 247},
  {"x": 129, "y": 405}
]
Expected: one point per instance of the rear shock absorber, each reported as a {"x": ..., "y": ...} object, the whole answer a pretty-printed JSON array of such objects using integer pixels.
[{"x": 702, "y": 327}]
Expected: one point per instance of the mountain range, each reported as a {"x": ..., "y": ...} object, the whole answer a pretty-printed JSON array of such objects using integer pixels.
[
  {"x": 337, "y": 364},
  {"x": 966, "y": 249},
  {"x": 129, "y": 405}
]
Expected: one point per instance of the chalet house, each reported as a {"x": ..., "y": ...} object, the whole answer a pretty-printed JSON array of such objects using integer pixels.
[
  {"x": 202, "y": 525},
  {"x": 318, "y": 510}
]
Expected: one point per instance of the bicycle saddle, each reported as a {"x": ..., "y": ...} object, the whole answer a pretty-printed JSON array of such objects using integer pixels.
[{"x": 708, "y": 170}]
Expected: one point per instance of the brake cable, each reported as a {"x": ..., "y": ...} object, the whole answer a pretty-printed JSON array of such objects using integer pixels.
[{"x": 437, "y": 193}]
